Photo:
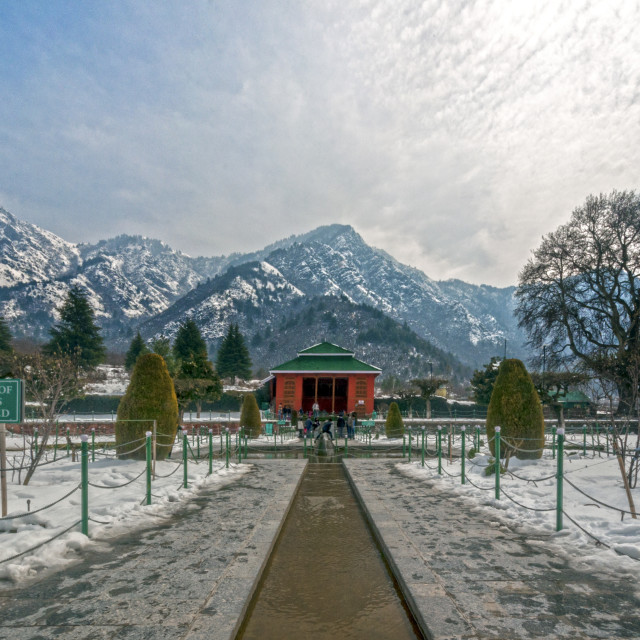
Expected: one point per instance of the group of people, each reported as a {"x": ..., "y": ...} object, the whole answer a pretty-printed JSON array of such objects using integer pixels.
[{"x": 311, "y": 426}]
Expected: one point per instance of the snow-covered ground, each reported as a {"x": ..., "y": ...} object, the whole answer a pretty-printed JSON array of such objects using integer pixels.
[
  {"x": 113, "y": 510},
  {"x": 598, "y": 510}
]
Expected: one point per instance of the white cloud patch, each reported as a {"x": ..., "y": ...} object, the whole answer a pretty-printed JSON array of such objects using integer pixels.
[{"x": 453, "y": 134}]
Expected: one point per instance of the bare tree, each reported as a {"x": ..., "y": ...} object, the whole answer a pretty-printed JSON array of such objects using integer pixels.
[
  {"x": 50, "y": 382},
  {"x": 579, "y": 293}
]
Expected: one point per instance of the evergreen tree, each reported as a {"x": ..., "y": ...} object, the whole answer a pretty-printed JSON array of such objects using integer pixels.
[
  {"x": 137, "y": 348},
  {"x": 162, "y": 346},
  {"x": 6, "y": 347},
  {"x": 394, "y": 425},
  {"x": 250, "y": 416},
  {"x": 515, "y": 406},
  {"x": 77, "y": 335},
  {"x": 196, "y": 381},
  {"x": 483, "y": 380},
  {"x": 150, "y": 396},
  {"x": 233, "y": 358},
  {"x": 189, "y": 343}
]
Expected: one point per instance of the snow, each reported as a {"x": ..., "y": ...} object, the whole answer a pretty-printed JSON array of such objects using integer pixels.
[
  {"x": 598, "y": 477},
  {"x": 116, "y": 510}
]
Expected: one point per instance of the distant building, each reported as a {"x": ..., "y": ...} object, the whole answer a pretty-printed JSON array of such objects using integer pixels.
[{"x": 327, "y": 374}]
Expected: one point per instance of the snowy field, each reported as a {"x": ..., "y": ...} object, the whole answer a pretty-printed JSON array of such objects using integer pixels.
[{"x": 116, "y": 495}]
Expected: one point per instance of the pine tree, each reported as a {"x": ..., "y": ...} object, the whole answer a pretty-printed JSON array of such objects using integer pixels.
[
  {"x": 250, "y": 416},
  {"x": 196, "y": 381},
  {"x": 189, "y": 342},
  {"x": 233, "y": 358},
  {"x": 150, "y": 396},
  {"x": 515, "y": 406},
  {"x": 394, "y": 425},
  {"x": 6, "y": 347},
  {"x": 137, "y": 348},
  {"x": 483, "y": 380},
  {"x": 243, "y": 360},
  {"x": 77, "y": 335}
]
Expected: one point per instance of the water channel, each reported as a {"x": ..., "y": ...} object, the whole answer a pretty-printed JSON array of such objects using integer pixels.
[{"x": 326, "y": 577}]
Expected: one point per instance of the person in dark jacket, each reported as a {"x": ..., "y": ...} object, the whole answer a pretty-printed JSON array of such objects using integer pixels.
[{"x": 326, "y": 428}]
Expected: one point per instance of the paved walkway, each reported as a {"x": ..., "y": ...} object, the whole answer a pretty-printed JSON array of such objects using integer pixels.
[
  {"x": 465, "y": 577},
  {"x": 189, "y": 578}
]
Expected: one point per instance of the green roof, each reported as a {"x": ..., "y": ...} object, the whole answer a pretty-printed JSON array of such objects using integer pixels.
[
  {"x": 325, "y": 364},
  {"x": 573, "y": 398},
  {"x": 325, "y": 348}
]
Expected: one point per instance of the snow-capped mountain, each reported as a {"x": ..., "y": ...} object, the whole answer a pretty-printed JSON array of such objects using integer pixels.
[
  {"x": 468, "y": 320},
  {"x": 31, "y": 254},
  {"x": 134, "y": 282}
]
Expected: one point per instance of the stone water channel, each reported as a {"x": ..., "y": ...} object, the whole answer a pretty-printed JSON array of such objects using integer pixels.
[{"x": 326, "y": 577}]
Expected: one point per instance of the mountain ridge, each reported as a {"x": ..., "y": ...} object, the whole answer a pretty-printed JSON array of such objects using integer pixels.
[{"x": 134, "y": 282}]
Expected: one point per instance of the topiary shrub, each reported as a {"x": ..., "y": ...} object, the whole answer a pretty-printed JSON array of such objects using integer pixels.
[
  {"x": 150, "y": 396},
  {"x": 394, "y": 426},
  {"x": 515, "y": 406},
  {"x": 294, "y": 419},
  {"x": 250, "y": 416}
]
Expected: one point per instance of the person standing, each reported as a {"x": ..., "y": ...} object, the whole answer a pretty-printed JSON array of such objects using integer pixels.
[
  {"x": 316, "y": 409},
  {"x": 340, "y": 424}
]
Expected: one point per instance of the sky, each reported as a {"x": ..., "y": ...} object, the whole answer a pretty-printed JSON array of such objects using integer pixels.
[{"x": 454, "y": 134}]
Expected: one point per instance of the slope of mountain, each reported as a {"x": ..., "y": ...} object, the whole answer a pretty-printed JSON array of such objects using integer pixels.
[
  {"x": 137, "y": 282},
  {"x": 31, "y": 254}
]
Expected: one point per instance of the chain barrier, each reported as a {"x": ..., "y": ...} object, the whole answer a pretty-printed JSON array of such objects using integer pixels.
[
  {"x": 30, "y": 513},
  {"x": 118, "y": 486},
  {"x": 24, "y": 553},
  {"x": 604, "y": 504},
  {"x": 524, "y": 506},
  {"x": 168, "y": 475},
  {"x": 597, "y": 540}
]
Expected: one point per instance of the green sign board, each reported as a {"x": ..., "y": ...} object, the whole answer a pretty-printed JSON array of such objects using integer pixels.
[{"x": 11, "y": 401}]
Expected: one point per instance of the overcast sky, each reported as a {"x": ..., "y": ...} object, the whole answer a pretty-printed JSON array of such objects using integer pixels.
[{"x": 452, "y": 134}]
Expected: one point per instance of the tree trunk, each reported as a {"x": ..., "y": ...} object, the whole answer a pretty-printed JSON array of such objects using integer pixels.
[{"x": 428, "y": 408}]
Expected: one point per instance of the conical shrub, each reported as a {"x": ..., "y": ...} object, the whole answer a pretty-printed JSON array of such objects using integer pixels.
[
  {"x": 515, "y": 406},
  {"x": 394, "y": 426},
  {"x": 150, "y": 396},
  {"x": 250, "y": 416}
]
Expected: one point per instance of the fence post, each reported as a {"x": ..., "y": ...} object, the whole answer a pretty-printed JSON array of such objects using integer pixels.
[
  {"x": 185, "y": 449},
  {"x": 462, "y": 454},
  {"x": 439, "y": 444},
  {"x": 410, "y": 445},
  {"x": 346, "y": 445},
  {"x": 239, "y": 443},
  {"x": 423, "y": 446},
  {"x": 93, "y": 444},
  {"x": 553, "y": 441},
  {"x": 84, "y": 474},
  {"x": 35, "y": 441},
  {"x": 210, "y": 451},
  {"x": 559, "y": 477},
  {"x": 68, "y": 437},
  {"x": 477, "y": 438},
  {"x": 148, "y": 447},
  {"x": 403, "y": 445},
  {"x": 227, "y": 447},
  {"x": 584, "y": 440},
  {"x": 496, "y": 447}
]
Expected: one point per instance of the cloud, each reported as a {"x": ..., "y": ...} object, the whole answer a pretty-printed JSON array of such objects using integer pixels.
[{"x": 453, "y": 135}]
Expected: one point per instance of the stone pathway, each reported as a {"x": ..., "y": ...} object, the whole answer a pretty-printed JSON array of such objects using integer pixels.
[
  {"x": 189, "y": 578},
  {"x": 465, "y": 577}
]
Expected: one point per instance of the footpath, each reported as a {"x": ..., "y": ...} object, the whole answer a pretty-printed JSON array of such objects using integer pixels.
[
  {"x": 189, "y": 578},
  {"x": 467, "y": 577}
]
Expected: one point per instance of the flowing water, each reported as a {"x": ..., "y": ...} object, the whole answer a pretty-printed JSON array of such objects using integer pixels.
[{"x": 326, "y": 577}]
